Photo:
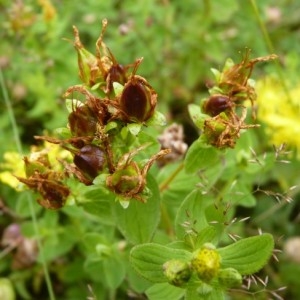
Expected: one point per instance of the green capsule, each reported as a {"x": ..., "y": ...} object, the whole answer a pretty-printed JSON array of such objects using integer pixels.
[
  {"x": 178, "y": 272},
  {"x": 230, "y": 278}
]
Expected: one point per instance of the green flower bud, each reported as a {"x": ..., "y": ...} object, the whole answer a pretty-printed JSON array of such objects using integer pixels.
[
  {"x": 230, "y": 278},
  {"x": 206, "y": 263},
  {"x": 6, "y": 289},
  {"x": 177, "y": 272}
]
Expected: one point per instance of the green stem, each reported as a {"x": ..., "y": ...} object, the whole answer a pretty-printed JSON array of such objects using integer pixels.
[
  {"x": 166, "y": 183},
  {"x": 270, "y": 47},
  {"x": 29, "y": 198},
  {"x": 165, "y": 218}
]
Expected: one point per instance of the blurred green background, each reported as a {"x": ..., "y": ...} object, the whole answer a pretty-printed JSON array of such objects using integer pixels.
[{"x": 179, "y": 40}]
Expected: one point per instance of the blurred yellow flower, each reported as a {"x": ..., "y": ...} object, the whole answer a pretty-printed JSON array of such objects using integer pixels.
[
  {"x": 49, "y": 11},
  {"x": 13, "y": 164},
  {"x": 279, "y": 112}
]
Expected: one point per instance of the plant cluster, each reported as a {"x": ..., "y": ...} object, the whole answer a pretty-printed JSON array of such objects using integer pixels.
[
  {"x": 233, "y": 87},
  {"x": 116, "y": 105},
  {"x": 135, "y": 232}
]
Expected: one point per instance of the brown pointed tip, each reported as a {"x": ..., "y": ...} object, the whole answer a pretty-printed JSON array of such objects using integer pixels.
[{"x": 77, "y": 41}]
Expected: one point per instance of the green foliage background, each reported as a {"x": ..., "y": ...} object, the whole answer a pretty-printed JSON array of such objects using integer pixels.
[{"x": 180, "y": 41}]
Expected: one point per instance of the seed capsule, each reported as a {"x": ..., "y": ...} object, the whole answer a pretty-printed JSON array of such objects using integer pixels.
[
  {"x": 82, "y": 121},
  {"x": 230, "y": 278},
  {"x": 216, "y": 104},
  {"x": 90, "y": 160},
  {"x": 177, "y": 272},
  {"x": 138, "y": 99}
]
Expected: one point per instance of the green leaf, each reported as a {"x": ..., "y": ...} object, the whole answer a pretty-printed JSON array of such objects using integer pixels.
[
  {"x": 248, "y": 255},
  {"x": 58, "y": 241},
  {"x": 240, "y": 194},
  {"x": 196, "y": 115},
  {"x": 164, "y": 291},
  {"x": 114, "y": 271},
  {"x": 200, "y": 156},
  {"x": 148, "y": 260},
  {"x": 134, "y": 128},
  {"x": 97, "y": 201},
  {"x": 195, "y": 294},
  {"x": 158, "y": 119},
  {"x": 179, "y": 187},
  {"x": 111, "y": 270},
  {"x": 138, "y": 222},
  {"x": 206, "y": 235},
  {"x": 192, "y": 210}
]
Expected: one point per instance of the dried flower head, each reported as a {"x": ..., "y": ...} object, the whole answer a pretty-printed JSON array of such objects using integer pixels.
[{"x": 172, "y": 138}]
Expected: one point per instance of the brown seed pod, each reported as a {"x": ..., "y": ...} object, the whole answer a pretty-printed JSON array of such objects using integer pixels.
[
  {"x": 82, "y": 121},
  {"x": 138, "y": 99},
  {"x": 216, "y": 104},
  {"x": 90, "y": 160}
]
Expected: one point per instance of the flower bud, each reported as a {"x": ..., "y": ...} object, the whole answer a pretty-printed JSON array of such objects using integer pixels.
[
  {"x": 230, "y": 278},
  {"x": 177, "y": 272},
  {"x": 206, "y": 263}
]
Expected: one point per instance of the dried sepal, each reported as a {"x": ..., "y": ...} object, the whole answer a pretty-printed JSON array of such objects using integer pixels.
[
  {"x": 223, "y": 130},
  {"x": 234, "y": 80},
  {"x": 50, "y": 186},
  {"x": 89, "y": 71}
]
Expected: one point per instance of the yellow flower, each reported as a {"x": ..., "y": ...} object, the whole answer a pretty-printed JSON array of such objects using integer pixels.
[
  {"x": 49, "y": 10},
  {"x": 14, "y": 165},
  {"x": 279, "y": 112}
]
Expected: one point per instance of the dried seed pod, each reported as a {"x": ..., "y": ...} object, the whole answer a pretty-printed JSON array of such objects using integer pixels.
[
  {"x": 216, "y": 104},
  {"x": 82, "y": 121},
  {"x": 90, "y": 160},
  {"x": 138, "y": 99},
  {"x": 95, "y": 110}
]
